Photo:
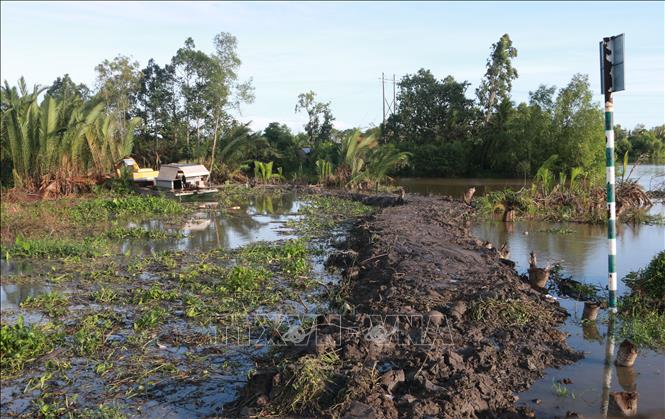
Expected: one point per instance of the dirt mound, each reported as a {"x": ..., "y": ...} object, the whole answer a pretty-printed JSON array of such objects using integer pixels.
[{"x": 435, "y": 325}]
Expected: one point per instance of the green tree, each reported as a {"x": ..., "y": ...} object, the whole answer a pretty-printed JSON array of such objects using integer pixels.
[
  {"x": 63, "y": 87},
  {"x": 578, "y": 126},
  {"x": 319, "y": 124},
  {"x": 431, "y": 110},
  {"x": 156, "y": 105},
  {"x": 118, "y": 82},
  {"x": 494, "y": 94}
]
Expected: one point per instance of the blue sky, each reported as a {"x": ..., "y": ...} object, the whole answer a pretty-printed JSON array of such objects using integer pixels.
[{"x": 339, "y": 49}]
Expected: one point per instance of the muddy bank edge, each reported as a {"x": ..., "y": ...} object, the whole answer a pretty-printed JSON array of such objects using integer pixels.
[{"x": 433, "y": 324}]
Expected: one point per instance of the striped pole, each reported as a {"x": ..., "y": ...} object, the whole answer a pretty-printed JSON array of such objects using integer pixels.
[{"x": 611, "y": 206}]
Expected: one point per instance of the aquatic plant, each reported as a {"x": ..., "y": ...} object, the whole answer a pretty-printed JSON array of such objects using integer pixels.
[
  {"x": 242, "y": 278},
  {"x": 321, "y": 214},
  {"x": 52, "y": 303},
  {"x": 92, "y": 210},
  {"x": 91, "y": 333},
  {"x": 21, "y": 344},
  {"x": 150, "y": 319},
  {"x": 139, "y": 233},
  {"x": 52, "y": 248}
]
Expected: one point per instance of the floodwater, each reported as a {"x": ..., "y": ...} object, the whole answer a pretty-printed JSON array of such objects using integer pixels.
[
  {"x": 650, "y": 176},
  {"x": 258, "y": 218},
  {"x": 582, "y": 251}
]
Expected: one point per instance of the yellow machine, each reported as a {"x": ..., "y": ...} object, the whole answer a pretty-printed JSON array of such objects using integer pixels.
[{"x": 128, "y": 165}]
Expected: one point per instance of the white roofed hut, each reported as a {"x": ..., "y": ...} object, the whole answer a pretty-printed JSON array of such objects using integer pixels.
[{"x": 183, "y": 179}]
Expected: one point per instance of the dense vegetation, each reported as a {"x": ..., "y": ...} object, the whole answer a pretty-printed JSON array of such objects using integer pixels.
[
  {"x": 644, "y": 308},
  {"x": 67, "y": 136}
]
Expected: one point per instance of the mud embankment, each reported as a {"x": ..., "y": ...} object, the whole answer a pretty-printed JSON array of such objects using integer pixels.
[{"x": 433, "y": 324}]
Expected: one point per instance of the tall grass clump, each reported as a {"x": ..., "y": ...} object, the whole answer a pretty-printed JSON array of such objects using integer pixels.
[{"x": 643, "y": 310}]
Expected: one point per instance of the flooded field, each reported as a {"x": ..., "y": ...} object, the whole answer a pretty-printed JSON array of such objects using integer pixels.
[
  {"x": 168, "y": 326},
  {"x": 581, "y": 249}
]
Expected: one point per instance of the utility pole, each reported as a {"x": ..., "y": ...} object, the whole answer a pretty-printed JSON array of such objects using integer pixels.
[
  {"x": 612, "y": 80},
  {"x": 383, "y": 95},
  {"x": 389, "y": 106}
]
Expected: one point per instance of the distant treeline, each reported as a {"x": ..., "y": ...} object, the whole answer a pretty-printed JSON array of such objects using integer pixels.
[{"x": 184, "y": 110}]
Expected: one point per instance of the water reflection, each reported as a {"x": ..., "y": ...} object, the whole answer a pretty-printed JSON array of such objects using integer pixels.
[
  {"x": 261, "y": 217},
  {"x": 12, "y": 295},
  {"x": 583, "y": 251}
]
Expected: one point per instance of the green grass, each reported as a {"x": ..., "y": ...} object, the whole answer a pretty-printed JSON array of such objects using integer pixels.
[
  {"x": 54, "y": 248},
  {"x": 646, "y": 329},
  {"x": 91, "y": 210},
  {"x": 150, "y": 319},
  {"x": 91, "y": 333},
  {"x": 154, "y": 293},
  {"x": 21, "y": 344},
  {"x": 560, "y": 390},
  {"x": 104, "y": 295},
  {"x": 53, "y": 303},
  {"x": 117, "y": 233},
  {"x": 643, "y": 310}
]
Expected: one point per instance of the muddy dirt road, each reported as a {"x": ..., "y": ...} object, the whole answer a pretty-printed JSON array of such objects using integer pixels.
[{"x": 433, "y": 324}]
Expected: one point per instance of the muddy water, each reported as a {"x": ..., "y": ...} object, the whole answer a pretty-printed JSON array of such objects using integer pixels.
[
  {"x": 260, "y": 218},
  {"x": 582, "y": 251}
]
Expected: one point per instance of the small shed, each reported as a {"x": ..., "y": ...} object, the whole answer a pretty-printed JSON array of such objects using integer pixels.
[{"x": 182, "y": 176}]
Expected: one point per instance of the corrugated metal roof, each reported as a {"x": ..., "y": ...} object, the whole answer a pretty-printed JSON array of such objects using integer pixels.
[{"x": 170, "y": 171}]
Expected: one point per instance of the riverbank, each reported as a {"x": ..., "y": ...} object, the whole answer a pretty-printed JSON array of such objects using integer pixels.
[{"x": 435, "y": 324}]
